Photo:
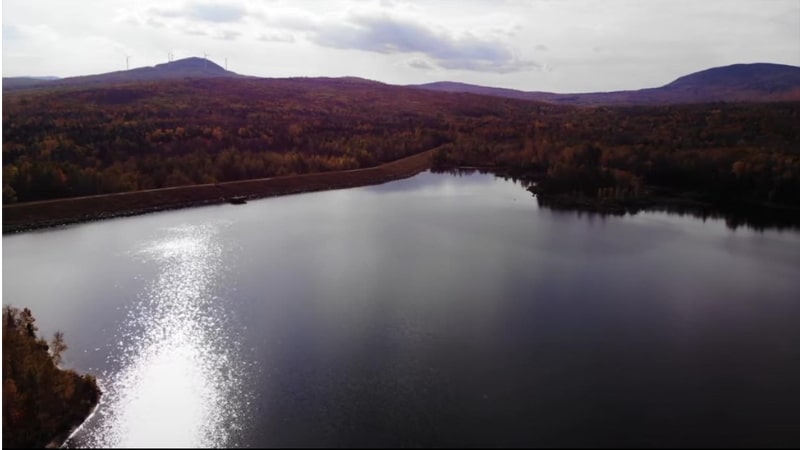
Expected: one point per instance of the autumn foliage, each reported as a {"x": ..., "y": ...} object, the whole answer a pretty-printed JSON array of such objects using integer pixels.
[
  {"x": 67, "y": 142},
  {"x": 171, "y": 133},
  {"x": 720, "y": 153},
  {"x": 40, "y": 401}
]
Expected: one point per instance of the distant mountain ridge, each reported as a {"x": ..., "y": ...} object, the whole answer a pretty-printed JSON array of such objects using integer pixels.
[
  {"x": 183, "y": 68},
  {"x": 737, "y": 82},
  {"x": 756, "y": 75}
]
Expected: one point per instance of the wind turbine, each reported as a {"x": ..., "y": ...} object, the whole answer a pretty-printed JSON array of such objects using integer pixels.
[
  {"x": 170, "y": 57},
  {"x": 226, "y": 63},
  {"x": 127, "y": 62},
  {"x": 205, "y": 61}
]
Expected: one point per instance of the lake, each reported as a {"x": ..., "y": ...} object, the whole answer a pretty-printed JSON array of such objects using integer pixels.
[{"x": 440, "y": 310}]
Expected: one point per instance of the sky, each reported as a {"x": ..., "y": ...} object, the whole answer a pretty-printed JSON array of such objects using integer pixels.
[{"x": 532, "y": 45}]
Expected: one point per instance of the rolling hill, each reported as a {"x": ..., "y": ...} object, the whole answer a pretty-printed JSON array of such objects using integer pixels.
[
  {"x": 758, "y": 82},
  {"x": 182, "y": 68},
  {"x": 738, "y": 82}
]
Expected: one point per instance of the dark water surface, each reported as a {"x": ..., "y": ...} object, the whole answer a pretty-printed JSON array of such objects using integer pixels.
[{"x": 441, "y": 310}]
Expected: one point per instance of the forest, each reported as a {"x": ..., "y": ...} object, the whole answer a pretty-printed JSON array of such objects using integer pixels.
[
  {"x": 171, "y": 133},
  {"x": 115, "y": 138},
  {"x": 41, "y": 403},
  {"x": 726, "y": 154}
]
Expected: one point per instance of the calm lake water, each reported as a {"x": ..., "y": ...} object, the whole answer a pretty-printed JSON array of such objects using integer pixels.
[{"x": 440, "y": 310}]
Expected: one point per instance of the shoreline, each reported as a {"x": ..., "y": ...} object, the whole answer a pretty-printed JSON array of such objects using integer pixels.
[
  {"x": 45, "y": 404},
  {"x": 755, "y": 215},
  {"x": 42, "y": 214},
  {"x": 61, "y": 439},
  {"x": 21, "y": 217}
]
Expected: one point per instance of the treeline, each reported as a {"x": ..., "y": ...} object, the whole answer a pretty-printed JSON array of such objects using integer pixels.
[
  {"x": 720, "y": 153},
  {"x": 141, "y": 136},
  {"x": 40, "y": 401},
  {"x": 144, "y": 136}
]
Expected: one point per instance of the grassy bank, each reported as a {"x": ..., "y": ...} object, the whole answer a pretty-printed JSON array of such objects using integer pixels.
[{"x": 32, "y": 215}]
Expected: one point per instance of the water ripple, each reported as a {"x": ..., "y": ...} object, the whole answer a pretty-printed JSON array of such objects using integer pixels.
[{"x": 179, "y": 381}]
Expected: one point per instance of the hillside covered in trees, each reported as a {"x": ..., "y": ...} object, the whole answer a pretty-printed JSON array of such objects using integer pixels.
[
  {"x": 41, "y": 403},
  {"x": 67, "y": 142},
  {"x": 170, "y": 133},
  {"x": 718, "y": 153}
]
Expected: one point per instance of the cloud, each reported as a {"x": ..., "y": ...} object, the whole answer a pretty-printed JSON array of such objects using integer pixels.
[
  {"x": 194, "y": 32},
  {"x": 513, "y": 65},
  {"x": 155, "y": 23},
  {"x": 207, "y": 12},
  {"x": 215, "y": 12},
  {"x": 420, "y": 64},
  {"x": 388, "y": 35},
  {"x": 295, "y": 21},
  {"x": 541, "y": 47},
  {"x": 10, "y": 32},
  {"x": 27, "y": 33},
  {"x": 276, "y": 37},
  {"x": 228, "y": 35}
]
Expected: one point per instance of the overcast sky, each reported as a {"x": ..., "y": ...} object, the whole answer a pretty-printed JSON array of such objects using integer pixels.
[{"x": 549, "y": 45}]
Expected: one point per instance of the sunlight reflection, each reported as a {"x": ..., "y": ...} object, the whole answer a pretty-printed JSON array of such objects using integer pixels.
[{"x": 180, "y": 377}]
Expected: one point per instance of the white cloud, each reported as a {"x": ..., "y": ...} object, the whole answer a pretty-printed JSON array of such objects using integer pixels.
[
  {"x": 276, "y": 37},
  {"x": 385, "y": 34},
  {"x": 228, "y": 35},
  {"x": 420, "y": 64},
  {"x": 208, "y": 12}
]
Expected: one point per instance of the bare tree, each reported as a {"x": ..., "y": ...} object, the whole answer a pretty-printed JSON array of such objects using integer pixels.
[{"x": 57, "y": 347}]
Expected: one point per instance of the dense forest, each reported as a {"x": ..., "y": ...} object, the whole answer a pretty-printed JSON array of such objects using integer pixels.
[
  {"x": 171, "y": 133},
  {"x": 116, "y": 138},
  {"x": 41, "y": 402},
  {"x": 720, "y": 153}
]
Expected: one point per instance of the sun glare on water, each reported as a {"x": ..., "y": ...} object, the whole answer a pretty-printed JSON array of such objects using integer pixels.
[{"x": 179, "y": 377}]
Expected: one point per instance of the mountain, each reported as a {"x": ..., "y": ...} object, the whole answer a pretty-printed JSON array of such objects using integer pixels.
[
  {"x": 182, "y": 68},
  {"x": 738, "y": 82},
  {"x": 757, "y": 82},
  {"x": 742, "y": 80},
  {"x": 24, "y": 82},
  {"x": 750, "y": 76},
  {"x": 450, "y": 86}
]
